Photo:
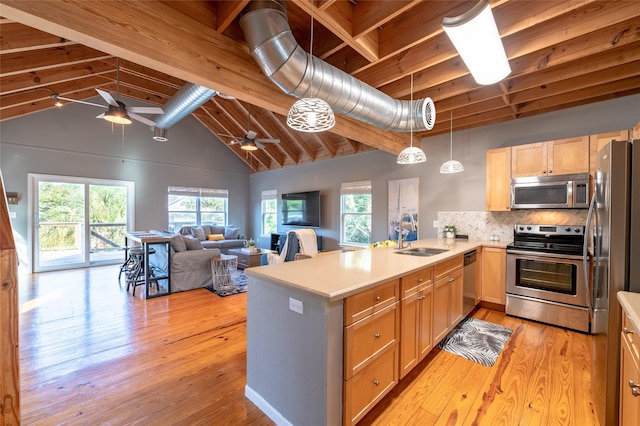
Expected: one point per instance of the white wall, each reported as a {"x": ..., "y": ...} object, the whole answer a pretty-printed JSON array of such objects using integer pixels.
[
  {"x": 70, "y": 141},
  {"x": 459, "y": 192}
]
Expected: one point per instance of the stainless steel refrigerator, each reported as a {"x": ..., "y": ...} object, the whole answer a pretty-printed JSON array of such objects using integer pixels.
[{"x": 614, "y": 218}]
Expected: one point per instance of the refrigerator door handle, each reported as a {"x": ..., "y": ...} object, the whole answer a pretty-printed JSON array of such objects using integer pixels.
[{"x": 585, "y": 253}]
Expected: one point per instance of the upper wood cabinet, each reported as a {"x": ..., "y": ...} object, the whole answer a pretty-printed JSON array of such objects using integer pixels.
[
  {"x": 565, "y": 156},
  {"x": 498, "y": 182},
  {"x": 596, "y": 142}
]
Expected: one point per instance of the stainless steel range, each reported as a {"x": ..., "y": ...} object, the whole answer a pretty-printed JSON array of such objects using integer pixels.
[{"x": 545, "y": 276}]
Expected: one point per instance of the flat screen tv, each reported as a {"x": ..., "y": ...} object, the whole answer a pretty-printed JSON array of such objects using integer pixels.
[{"x": 301, "y": 209}]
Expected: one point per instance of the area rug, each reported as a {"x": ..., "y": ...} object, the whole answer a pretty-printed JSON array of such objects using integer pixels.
[
  {"x": 240, "y": 286},
  {"x": 476, "y": 340}
]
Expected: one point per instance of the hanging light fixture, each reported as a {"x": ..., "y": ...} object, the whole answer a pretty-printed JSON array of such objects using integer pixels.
[
  {"x": 311, "y": 114},
  {"x": 476, "y": 38},
  {"x": 412, "y": 154},
  {"x": 451, "y": 166},
  {"x": 117, "y": 114}
]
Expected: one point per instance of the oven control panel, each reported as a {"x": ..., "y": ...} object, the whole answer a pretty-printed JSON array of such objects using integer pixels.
[{"x": 550, "y": 229}]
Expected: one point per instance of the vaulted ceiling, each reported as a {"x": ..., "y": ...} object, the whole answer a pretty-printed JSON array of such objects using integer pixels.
[{"x": 562, "y": 54}]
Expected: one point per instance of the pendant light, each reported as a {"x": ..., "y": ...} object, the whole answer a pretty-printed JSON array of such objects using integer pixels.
[
  {"x": 451, "y": 166},
  {"x": 311, "y": 115},
  {"x": 412, "y": 154}
]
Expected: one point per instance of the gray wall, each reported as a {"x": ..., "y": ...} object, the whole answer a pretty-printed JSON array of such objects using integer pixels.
[
  {"x": 70, "y": 141},
  {"x": 459, "y": 192}
]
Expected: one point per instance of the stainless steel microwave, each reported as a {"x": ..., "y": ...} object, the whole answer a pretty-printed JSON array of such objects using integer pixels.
[{"x": 550, "y": 192}]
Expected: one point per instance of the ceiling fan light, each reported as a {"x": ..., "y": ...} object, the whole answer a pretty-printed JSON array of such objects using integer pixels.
[
  {"x": 411, "y": 155},
  {"x": 451, "y": 166},
  {"x": 311, "y": 115},
  {"x": 475, "y": 35},
  {"x": 117, "y": 115},
  {"x": 249, "y": 145}
]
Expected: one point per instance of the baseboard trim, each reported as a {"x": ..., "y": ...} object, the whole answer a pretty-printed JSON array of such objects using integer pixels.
[
  {"x": 265, "y": 407},
  {"x": 492, "y": 306}
]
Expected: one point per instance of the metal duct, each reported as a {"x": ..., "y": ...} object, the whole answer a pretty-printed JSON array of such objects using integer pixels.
[
  {"x": 297, "y": 73},
  {"x": 184, "y": 102}
]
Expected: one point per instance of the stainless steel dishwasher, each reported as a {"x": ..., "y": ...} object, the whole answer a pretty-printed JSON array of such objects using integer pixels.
[{"x": 469, "y": 282}]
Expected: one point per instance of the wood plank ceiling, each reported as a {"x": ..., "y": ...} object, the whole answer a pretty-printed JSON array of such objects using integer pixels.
[{"x": 562, "y": 54}]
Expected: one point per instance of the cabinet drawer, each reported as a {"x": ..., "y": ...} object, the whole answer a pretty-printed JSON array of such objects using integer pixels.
[
  {"x": 630, "y": 334},
  {"x": 360, "y": 305},
  {"x": 447, "y": 266},
  {"x": 369, "y": 386},
  {"x": 415, "y": 281},
  {"x": 368, "y": 338}
]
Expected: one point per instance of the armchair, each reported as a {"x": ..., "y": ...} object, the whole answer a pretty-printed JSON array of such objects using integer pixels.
[{"x": 298, "y": 242}]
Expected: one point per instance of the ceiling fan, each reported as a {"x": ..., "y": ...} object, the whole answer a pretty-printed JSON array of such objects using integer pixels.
[
  {"x": 117, "y": 111},
  {"x": 248, "y": 142}
]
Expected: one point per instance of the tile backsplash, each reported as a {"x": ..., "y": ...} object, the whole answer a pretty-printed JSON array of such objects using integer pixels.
[{"x": 482, "y": 225}]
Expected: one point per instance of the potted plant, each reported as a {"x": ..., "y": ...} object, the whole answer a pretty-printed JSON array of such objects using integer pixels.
[
  {"x": 450, "y": 231},
  {"x": 251, "y": 244}
]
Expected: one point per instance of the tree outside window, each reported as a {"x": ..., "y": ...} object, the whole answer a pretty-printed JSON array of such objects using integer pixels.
[
  {"x": 269, "y": 212},
  {"x": 196, "y": 206},
  {"x": 355, "y": 212}
]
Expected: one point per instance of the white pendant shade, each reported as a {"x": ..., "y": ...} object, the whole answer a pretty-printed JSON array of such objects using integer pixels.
[
  {"x": 475, "y": 35},
  {"x": 451, "y": 166},
  {"x": 311, "y": 115},
  {"x": 411, "y": 155}
]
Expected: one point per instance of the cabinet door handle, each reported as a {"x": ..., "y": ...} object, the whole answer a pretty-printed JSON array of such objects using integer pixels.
[
  {"x": 420, "y": 279},
  {"x": 451, "y": 280},
  {"x": 626, "y": 330},
  {"x": 422, "y": 297},
  {"x": 377, "y": 298},
  {"x": 634, "y": 385},
  {"x": 376, "y": 335},
  {"x": 635, "y": 392},
  {"x": 375, "y": 382}
]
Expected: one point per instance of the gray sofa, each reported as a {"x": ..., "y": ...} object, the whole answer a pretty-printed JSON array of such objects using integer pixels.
[
  {"x": 190, "y": 263},
  {"x": 230, "y": 237}
]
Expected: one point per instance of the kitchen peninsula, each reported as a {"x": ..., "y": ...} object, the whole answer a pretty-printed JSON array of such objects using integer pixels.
[{"x": 297, "y": 323}]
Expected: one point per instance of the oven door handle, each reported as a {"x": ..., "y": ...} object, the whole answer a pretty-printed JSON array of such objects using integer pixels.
[{"x": 545, "y": 255}]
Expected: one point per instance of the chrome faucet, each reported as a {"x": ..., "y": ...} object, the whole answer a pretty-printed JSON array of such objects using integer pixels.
[{"x": 413, "y": 228}]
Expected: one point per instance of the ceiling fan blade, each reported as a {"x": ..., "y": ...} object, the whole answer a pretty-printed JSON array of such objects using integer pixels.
[
  {"x": 141, "y": 119},
  {"x": 107, "y": 97},
  {"x": 259, "y": 145},
  {"x": 145, "y": 110},
  {"x": 268, "y": 140},
  {"x": 78, "y": 101},
  {"x": 225, "y": 135},
  {"x": 251, "y": 134},
  {"x": 100, "y": 116}
]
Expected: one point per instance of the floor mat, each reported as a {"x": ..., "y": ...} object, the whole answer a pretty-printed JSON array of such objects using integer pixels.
[
  {"x": 239, "y": 280},
  {"x": 476, "y": 340}
]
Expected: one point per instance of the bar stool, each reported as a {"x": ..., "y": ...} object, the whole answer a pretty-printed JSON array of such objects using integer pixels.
[{"x": 134, "y": 268}]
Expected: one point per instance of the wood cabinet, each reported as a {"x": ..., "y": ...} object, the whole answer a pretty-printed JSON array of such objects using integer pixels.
[
  {"x": 559, "y": 157},
  {"x": 371, "y": 334},
  {"x": 493, "y": 272},
  {"x": 498, "y": 179},
  {"x": 416, "y": 305},
  {"x": 596, "y": 142},
  {"x": 447, "y": 297},
  {"x": 629, "y": 374}
]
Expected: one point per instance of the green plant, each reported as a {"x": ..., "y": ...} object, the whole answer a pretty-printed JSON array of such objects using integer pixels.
[
  {"x": 251, "y": 242},
  {"x": 450, "y": 228}
]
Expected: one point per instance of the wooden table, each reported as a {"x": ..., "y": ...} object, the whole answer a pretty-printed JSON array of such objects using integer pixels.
[
  {"x": 248, "y": 259},
  {"x": 146, "y": 239}
]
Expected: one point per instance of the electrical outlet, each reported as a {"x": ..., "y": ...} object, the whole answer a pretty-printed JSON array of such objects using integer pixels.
[
  {"x": 435, "y": 224},
  {"x": 481, "y": 226},
  {"x": 296, "y": 306}
]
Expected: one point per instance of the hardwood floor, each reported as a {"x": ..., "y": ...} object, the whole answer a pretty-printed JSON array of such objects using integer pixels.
[{"x": 90, "y": 353}]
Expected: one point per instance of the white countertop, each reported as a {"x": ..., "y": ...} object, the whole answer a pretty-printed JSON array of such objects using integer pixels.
[
  {"x": 337, "y": 274},
  {"x": 630, "y": 302}
]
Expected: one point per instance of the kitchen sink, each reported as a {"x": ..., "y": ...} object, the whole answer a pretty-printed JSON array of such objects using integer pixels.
[{"x": 421, "y": 251}]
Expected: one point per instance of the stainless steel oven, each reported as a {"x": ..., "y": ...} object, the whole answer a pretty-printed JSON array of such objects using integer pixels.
[{"x": 545, "y": 276}]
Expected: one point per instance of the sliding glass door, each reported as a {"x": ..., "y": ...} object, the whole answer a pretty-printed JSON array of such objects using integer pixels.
[{"x": 79, "y": 222}]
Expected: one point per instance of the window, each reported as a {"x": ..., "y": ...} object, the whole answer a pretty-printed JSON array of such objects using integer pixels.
[
  {"x": 269, "y": 212},
  {"x": 355, "y": 213},
  {"x": 196, "y": 206}
]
